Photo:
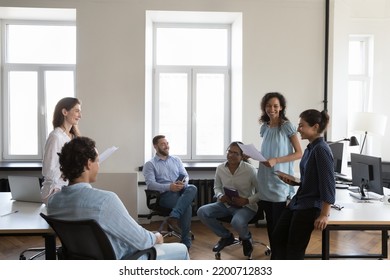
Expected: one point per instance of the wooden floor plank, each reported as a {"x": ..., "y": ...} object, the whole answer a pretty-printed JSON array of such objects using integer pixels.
[{"x": 351, "y": 242}]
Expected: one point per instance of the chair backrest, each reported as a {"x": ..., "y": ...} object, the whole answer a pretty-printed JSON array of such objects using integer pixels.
[
  {"x": 82, "y": 239},
  {"x": 153, "y": 203},
  {"x": 86, "y": 240},
  {"x": 152, "y": 199}
]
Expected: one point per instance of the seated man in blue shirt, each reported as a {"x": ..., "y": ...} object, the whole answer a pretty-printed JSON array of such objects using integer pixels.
[
  {"x": 161, "y": 173},
  {"x": 79, "y": 163}
]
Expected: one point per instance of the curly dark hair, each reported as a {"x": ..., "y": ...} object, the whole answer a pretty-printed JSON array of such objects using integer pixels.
[
  {"x": 74, "y": 157},
  {"x": 264, "y": 118}
]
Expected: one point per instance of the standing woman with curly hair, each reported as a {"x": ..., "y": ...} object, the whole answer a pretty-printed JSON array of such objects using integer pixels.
[
  {"x": 281, "y": 147},
  {"x": 66, "y": 116}
]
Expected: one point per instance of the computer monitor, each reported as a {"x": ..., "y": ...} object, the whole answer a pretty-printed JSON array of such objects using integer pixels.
[
  {"x": 367, "y": 173},
  {"x": 337, "y": 151}
]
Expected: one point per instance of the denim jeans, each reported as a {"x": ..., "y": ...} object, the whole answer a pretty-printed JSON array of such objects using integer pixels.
[
  {"x": 171, "y": 251},
  {"x": 209, "y": 213},
  {"x": 181, "y": 204}
]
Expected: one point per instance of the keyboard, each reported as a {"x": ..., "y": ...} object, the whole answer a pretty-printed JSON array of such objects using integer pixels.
[
  {"x": 343, "y": 177},
  {"x": 354, "y": 189},
  {"x": 342, "y": 186}
]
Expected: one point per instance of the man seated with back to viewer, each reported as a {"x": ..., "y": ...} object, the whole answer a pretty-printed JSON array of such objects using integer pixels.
[
  {"x": 161, "y": 173},
  {"x": 234, "y": 173},
  {"x": 79, "y": 163}
]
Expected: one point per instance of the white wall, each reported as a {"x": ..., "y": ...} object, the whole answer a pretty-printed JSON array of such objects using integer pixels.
[
  {"x": 356, "y": 17},
  {"x": 125, "y": 185},
  {"x": 283, "y": 50}
]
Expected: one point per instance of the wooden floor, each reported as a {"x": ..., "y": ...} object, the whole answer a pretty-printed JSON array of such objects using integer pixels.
[{"x": 351, "y": 242}]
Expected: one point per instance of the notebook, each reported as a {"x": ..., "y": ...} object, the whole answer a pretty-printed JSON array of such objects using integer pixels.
[
  {"x": 230, "y": 192},
  {"x": 25, "y": 188}
]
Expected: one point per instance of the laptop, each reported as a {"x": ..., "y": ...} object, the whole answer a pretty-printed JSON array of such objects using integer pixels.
[{"x": 25, "y": 188}]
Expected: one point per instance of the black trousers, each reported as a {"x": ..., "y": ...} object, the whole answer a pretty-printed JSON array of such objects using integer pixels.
[
  {"x": 292, "y": 233},
  {"x": 272, "y": 210}
]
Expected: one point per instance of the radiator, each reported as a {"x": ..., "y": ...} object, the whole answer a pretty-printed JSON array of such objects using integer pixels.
[{"x": 205, "y": 192}]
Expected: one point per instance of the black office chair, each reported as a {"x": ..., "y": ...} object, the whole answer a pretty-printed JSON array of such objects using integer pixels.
[
  {"x": 153, "y": 203},
  {"x": 86, "y": 240},
  {"x": 255, "y": 220},
  {"x": 40, "y": 251}
]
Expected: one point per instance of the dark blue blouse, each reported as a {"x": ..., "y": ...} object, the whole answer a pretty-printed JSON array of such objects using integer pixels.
[{"x": 317, "y": 177}]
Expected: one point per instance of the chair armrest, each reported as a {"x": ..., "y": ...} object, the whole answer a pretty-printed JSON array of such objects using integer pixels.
[{"x": 150, "y": 253}]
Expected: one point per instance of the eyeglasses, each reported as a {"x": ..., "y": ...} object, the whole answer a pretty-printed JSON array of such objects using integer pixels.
[
  {"x": 337, "y": 207},
  {"x": 232, "y": 153}
]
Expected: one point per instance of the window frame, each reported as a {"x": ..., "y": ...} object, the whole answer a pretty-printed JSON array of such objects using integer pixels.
[
  {"x": 40, "y": 69},
  {"x": 192, "y": 71}
]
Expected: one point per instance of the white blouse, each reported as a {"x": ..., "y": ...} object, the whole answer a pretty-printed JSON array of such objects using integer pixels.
[{"x": 50, "y": 164}]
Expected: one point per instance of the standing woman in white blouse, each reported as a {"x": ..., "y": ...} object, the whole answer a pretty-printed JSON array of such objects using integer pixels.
[{"x": 67, "y": 114}]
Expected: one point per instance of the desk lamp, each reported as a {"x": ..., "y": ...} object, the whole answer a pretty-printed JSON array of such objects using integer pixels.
[
  {"x": 369, "y": 123},
  {"x": 352, "y": 141}
]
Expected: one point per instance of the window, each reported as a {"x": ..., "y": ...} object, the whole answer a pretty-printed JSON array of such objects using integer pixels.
[
  {"x": 191, "y": 97},
  {"x": 360, "y": 75},
  {"x": 38, "y": 70}
]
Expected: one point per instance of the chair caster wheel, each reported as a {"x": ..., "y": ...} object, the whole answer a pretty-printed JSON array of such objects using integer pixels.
[
  {"x": 22, "y": 257},
  {"x": 218, "y": 256},
  {"x": 267, "y": 252}
]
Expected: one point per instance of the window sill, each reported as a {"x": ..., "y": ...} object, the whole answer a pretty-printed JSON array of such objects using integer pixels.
[
  {"x": 197, "y": 166},
  {"x": 20, "y": 165}
]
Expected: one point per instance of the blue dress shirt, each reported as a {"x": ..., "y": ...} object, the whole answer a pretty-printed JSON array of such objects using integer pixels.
[{"x": 160, "y": 173}]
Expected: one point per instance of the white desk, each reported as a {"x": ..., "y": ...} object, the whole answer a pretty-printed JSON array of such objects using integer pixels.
[
  {"x": 26, "y": 221},
  {"x": 357, "y": 215}
]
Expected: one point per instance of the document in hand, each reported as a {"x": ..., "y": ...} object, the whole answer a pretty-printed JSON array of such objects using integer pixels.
[
  {"x": 294, "y": 180},
  {"x": 251, "y": 151},
  {"x": 107, "y": 153},
  {"x": 230, "y": 192}
]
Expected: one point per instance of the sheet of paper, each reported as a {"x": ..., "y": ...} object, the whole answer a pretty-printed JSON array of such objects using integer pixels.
[
  {"x": 107, "y": 153},
  {"x": 251, "y": 151}
]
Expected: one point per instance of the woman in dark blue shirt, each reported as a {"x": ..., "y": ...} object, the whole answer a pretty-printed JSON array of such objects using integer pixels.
[{"x": 309, "y": 209}]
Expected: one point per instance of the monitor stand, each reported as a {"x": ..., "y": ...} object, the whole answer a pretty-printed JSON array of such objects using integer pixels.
[
  {"x": 359, "y": 196},
  {"x": 365, "y": 195}
]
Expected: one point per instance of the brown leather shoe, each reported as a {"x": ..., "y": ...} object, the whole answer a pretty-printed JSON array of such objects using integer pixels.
[{"x": 174, "y": 224}]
